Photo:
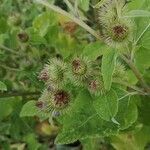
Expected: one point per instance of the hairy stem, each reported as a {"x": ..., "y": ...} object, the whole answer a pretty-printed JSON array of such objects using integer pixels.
[
  {"x": 73, "y": 18},
  {"x": 9, "y": 68},
  {"x": 8, "y": 49},
  {"x": 3, "y": 95},
  {"x": 137, "y": 73},
  {"x": 140, "y": 91}
]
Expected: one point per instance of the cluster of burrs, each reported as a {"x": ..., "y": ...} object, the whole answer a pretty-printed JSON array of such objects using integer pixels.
[{"x": 77, "y": 73}]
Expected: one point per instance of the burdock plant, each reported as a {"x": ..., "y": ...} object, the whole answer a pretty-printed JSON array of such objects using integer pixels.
[{"x": 92, "y": 98}]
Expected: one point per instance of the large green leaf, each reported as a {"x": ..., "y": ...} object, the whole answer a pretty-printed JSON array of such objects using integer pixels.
[
  {"x": 30, "y": 109},
  {"x": 83, "y": 122},
  {"x": 144, "y": 111},
  {"x": 108, "y": 65},
  {"x": 107, "y": 105},
  {"x": 43, "y": 21},
  {"x": 127, "y": 110},
  {"x": 32, "y": 141},
  {"x": 93, "y": 50},
  {"x": 138, "y": 4},
  {"x": 146, "y": 37},
  {"x": 142, "y": 59},
  {"x": 134, "y": 140},
  {"x": 5, "y": 108},
  {"x": 143, "y": 25}
]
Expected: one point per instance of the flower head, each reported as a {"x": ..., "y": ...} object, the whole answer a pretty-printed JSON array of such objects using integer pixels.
[
  {"x": 54, "y": 73},
  {"x": 96, "y": 86},
  {"x": 115, "y": 30},
  {"x": 58, "y": 101},
  {"x": 80, "y": 69},
  {"x": 43, "y": 75}
]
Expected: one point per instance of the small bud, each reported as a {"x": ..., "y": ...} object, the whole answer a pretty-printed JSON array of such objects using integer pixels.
[
  {"x": 119, "y": 71},
  {"x": 14, "y": 19},
  {"x": 96, "y": 86},
  {"x": 80, "y": 69},
  {"x": 50, "y": 88},
  {"x": 23, "y": 37},
  {"x": 40, "y": 104},
  {"x": 56, "y": 70},
  {"x": 69, "y": 27},
  {"x": 43, "y": 75}
]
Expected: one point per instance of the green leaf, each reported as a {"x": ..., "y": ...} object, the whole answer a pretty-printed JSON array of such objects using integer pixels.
[
  {"x": 32, "y": 141},
  {"x": 137, "y": 13},
  {"x": 131, "y": 77},
  {"x": 138, "y": 4},
  {"x": 29, "y": 109},
  {"x": 142, "y": 137},
  {"x": 7, "y": 106},
  {"x": 93, "y": 50},
  {"x": 83, "y": 122},
  {"x": 66, "y": 45},
  {"x": 107, "y": 105},
  {"x": 144, "y": 111},
  {"x": 108, "y": 65},
  {"x": 127, "y": 110},
  {"x": 3, "y": 87},
  {"x": 43, "y": 21},
  {"x": 134, "y": 140},
  {"x": 146, "y": 37},
  {"x": 3, "y": 25},
  {"x": 141, "y": 22},
  {"x": 90, "y": 144},
  {"x": 84, "y": 4},
  {"x": 142, "y": 58}
]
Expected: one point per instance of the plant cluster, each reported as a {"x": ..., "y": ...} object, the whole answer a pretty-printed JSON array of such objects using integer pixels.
[
  {"x": 81, "y": 73},
  {"x": 103, "y": 82},
  {"x": 89, "y": 61}
]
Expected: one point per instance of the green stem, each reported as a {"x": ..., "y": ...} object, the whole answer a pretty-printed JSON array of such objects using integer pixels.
[
  {"x": 73, "y": 18},
  {"x": 140, "y": 91},
  {"x": 137, "y": 73},
  {"x": 9, "y": 68},
  {"x": 8, "y": 49},
  {"x": 3, "y": 95}
]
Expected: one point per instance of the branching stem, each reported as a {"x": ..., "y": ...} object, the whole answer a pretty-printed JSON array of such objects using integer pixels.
[
  {"x": 73, "y": 18},
  {"x": 137, "y": 73},
  {"x": 8, "y": 49},
  {"x": 3, "y": 95}
]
